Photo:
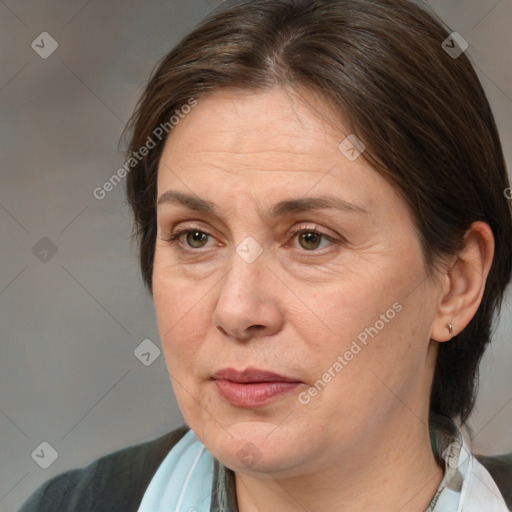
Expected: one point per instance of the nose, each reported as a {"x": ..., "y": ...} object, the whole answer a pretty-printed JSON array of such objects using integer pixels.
[{"x": 248, "y": 303}]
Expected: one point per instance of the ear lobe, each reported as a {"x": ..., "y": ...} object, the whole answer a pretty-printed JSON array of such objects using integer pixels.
[{"x": 464, "y": 282}]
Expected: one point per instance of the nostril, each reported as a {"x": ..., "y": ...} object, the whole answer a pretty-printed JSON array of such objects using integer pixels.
[{"x": 256, "y": 328}]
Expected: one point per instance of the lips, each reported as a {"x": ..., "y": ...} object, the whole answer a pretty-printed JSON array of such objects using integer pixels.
[
  {"x": 251, "y": 375},
  {"x": 252, "y": 387}
]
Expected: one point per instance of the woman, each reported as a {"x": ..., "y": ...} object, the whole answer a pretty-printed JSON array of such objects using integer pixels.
[{"x": 318, "y": 194}]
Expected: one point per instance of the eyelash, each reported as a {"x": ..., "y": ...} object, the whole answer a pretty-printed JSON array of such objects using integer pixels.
[{"x": 173, "y": 238}]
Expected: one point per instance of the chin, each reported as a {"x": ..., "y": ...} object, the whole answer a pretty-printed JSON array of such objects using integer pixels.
[{"x": 256, "y": 447}]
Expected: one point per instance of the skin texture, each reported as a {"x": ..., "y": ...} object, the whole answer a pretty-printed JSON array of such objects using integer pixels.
[{"x": 362, "y": 442}]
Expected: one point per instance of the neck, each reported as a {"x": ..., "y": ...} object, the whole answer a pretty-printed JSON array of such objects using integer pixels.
[{"x": 395, "y": 471}]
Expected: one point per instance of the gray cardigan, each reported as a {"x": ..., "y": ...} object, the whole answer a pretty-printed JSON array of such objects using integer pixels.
[{"x": 117, "y": 482}]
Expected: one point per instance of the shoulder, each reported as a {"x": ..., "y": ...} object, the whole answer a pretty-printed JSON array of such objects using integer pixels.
[{"x": 114, "y": 482}]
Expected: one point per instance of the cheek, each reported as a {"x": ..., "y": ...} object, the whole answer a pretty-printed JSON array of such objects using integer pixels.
[
  {"x": 180, "y": 312},
  {"x": 378, "y": 328},
  {"x": 180, "y": 317},
  {"x": 360, "y": 382},
  {"x": 338, "y": 313}
]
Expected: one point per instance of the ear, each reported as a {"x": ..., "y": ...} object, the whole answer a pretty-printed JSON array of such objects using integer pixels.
[{"x": 463, "y": 282}]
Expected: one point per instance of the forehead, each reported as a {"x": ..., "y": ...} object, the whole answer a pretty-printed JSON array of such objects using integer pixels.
[
  {"x": 243, "y": 146},
  {"x": 242, "y": 126}
]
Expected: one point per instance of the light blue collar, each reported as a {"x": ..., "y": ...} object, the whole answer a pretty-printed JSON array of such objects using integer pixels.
[{"x": 183, "y": 482}]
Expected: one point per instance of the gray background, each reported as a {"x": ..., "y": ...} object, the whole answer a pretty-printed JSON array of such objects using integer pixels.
[{"x": 69, "y": 325}]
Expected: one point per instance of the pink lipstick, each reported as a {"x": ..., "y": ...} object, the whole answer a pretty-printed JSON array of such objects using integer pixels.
[{"x": 252, "y": 387}]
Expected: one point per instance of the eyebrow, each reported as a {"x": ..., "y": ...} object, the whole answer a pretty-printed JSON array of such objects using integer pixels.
[{"x": 285, "y": 207}]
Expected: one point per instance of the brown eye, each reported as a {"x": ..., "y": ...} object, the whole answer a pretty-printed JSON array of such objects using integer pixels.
[
  {"x": 196, "y": 239},
  {"x": 310, "y": 240}
]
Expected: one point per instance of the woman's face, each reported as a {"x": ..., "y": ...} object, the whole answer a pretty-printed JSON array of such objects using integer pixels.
[{"x": 345, "y": 314}]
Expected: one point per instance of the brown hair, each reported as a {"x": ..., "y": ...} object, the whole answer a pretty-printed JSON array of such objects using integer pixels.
[{"x": 421, "y": 113}]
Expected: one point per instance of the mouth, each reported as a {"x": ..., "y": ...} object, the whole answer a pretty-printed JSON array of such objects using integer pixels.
[
  {"x": 251, "y": 376},
  {"x": 252, "y": 387}
]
